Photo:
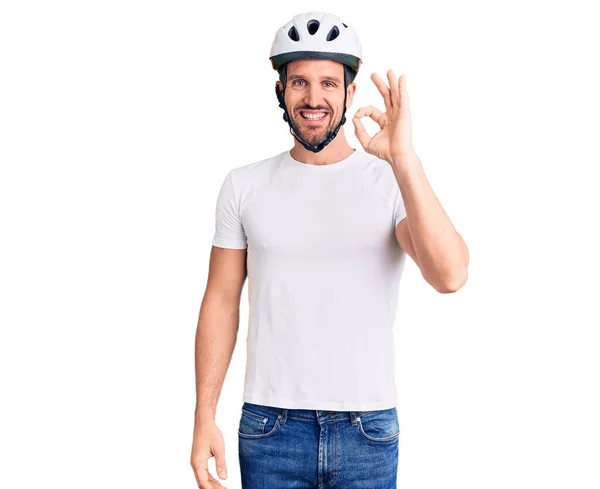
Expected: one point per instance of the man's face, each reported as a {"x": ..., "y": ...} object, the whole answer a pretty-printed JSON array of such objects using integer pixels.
[{"x": 314, "y": 97}]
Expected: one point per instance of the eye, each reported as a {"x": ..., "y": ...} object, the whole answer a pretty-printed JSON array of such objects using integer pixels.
[
  {"x": 330, "y": 84},
  {"x": 297, "y": 80}
]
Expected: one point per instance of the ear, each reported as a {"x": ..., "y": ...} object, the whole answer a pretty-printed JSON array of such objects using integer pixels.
[
  {"x": 351, "y": 89},
  {"x": 279, "y": 86}
]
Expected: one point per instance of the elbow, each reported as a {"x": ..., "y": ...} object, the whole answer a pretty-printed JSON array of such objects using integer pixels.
[
  {"x": 452, "y": 283},
  {"x": 450, "y": 272}
]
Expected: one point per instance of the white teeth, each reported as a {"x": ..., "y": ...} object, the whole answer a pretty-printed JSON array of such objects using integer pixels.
[{"x": 313, "y": 117}]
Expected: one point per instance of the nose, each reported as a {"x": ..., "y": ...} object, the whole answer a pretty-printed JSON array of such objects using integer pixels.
[{"x": 312, "y": 96}]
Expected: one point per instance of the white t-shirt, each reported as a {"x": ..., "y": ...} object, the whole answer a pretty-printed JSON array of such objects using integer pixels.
[{"x": 324, "y": 269}]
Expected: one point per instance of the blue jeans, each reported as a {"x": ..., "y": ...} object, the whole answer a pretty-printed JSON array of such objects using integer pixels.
[{"x": 304, "y": 449}]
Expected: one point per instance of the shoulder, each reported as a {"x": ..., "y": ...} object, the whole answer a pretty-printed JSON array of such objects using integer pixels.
[
  {"x": 253, "y": 172},
  {"x": 377, "y": 171}
]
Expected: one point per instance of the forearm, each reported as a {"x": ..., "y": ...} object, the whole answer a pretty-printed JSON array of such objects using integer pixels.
[
  {"x": 441, "y": 252},
  {"x": 215, "y": 341}
]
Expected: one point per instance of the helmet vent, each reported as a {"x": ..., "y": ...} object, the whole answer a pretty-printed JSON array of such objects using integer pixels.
[
  {"x": 293, "y": 33},
  {"x": 312, "y": 26},
  {"x": 344, "y": 25},
  {"x": 333, "y": 33}
]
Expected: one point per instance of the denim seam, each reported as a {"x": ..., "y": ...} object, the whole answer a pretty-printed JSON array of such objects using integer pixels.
[
  {"x": 377, "y": 440},
  {"x": 252, "y": 415},
  {"x": 273, "y": 431}
]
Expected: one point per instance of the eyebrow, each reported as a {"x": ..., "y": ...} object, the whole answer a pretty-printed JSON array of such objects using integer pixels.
[{"x": 332, "y": 78}]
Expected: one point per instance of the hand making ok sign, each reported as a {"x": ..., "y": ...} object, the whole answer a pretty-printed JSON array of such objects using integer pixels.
[{"x": 394, "y": 140}]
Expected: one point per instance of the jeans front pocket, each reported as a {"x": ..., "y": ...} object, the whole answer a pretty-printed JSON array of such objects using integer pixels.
[
  {"x": 380, "y": 426},
  {"x": 257, "y": 423}
]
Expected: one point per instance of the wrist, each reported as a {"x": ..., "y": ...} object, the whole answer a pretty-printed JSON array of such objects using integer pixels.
[
  {"x": 205, "y": 415},
  {"x": 404, "y": 162}
]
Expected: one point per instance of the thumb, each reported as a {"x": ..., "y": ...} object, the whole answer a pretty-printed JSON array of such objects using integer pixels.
[{"x": 220, "y": 462}]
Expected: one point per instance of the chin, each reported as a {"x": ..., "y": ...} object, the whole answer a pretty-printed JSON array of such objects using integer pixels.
[
  {"x": 310, "y": 137},
  {"x": 309, "y": 134}
]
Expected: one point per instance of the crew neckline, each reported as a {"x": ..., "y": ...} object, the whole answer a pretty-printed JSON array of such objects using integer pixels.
[{"x": 329, "y": 167}]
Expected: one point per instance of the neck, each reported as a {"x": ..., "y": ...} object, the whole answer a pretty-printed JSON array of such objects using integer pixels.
[{"x": 335, "y": 151}]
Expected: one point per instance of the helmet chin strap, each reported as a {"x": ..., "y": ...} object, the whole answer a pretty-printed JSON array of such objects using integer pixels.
[{"x": 331, "y": 134}]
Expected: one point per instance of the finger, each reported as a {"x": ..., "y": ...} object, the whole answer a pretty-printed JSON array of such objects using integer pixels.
[
  {"x": 404, "y": 102},
  {"x": 361, "y": 134},
  {"x": 220, "y": 464},
  {"x": 210, "y": 483},
  {"x": 201, "y": 473},
  {"x": 203, "y": 478},
  {"x": 394, "y": 88},
  {"x": 215, "y": 483},
  {"x": 383, "y": 90},
  {"x": 372, "y": 112}
]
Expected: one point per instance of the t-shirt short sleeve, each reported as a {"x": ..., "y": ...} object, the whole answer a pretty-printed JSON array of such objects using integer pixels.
[
  {"x": 399, "y": 209},
  {"x": 229, "y": 232}
]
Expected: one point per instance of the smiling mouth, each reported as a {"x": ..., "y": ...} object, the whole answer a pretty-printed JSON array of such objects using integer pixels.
[{"x": 313, "y": 115}]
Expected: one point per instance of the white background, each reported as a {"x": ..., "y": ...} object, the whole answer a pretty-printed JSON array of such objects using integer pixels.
[{"x": 119, "y": 121}]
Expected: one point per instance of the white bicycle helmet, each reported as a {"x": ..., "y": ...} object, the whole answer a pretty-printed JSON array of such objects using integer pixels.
[{"x": 315, "y": 35}]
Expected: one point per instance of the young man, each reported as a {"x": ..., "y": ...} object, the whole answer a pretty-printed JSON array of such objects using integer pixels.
[{"x": 322, "y": 232}]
